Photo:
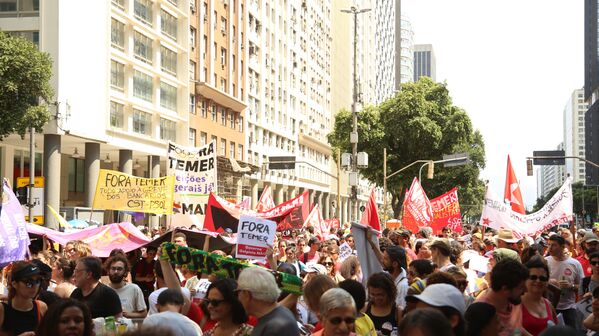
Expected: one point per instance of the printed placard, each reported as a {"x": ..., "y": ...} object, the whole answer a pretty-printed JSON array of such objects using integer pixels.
[
  {"x": 254, "y": 235},
  {"x": 345, "y": 251}
]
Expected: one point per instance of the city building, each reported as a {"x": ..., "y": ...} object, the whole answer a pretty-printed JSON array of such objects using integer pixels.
[
  {"x": 574, "y": 135},
  {"x": 591, "y": 88},
  {"x": 550, "y": 177},
  {"x": 425, "y": 63}
]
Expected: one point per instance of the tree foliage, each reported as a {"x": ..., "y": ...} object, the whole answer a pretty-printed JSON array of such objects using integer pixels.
[
  {"x": 419, "y": 123},
  {"x": 25, "y": 87}
]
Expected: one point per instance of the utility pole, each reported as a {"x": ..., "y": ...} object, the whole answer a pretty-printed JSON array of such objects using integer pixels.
[{"x": 31, "y": 172}]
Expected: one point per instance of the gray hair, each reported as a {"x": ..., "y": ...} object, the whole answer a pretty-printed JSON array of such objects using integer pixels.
[
  {"x": 260, "y": 282},
  {"x": 336, "y": 298}
]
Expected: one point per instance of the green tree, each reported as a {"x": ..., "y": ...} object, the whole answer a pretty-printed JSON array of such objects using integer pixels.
[
  {"x": 25, "y": 87},
  {"x": 419, "y": 123},
  {"x": 580, "y": 193}
]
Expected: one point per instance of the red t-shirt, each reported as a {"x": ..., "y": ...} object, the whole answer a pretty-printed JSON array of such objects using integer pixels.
[{"x": 586, "y": 264}]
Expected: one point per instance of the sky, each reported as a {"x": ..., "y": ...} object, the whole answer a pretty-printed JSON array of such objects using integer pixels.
[{"x": 512, "y": 65}]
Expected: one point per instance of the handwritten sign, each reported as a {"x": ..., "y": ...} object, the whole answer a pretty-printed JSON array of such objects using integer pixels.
[
  {"x": 120, "y": 191},
  {"x": 345, "y": 251},
  {"x": 585, "y": 306},
  {"x": 254, "y": 235},
  {"x": 221, "y": 267}
]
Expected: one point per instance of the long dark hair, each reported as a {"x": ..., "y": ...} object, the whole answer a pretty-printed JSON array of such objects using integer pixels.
[
  {"x": 227, "y": 288},
  {"x": 49, "y": 324}
]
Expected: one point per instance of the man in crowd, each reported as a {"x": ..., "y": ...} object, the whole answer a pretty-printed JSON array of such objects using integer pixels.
[
  {"x": 143, "y": 272},
  {"x": 403, "y": 240},
  {"x": 589, "y": 244},
  {"x": 312, "y": 255},
  {"x": 180, "y": 239},
  {"x": 102, "y": 300},
  {"x": 258, "y": 292},
  {"x": 505, "y": 239},
  {"x": 131, "y": 296},
  {"x": 566, "y": 273},
  {"x": 169, "y": 304},
  {"x": 507, "y": 286},
  {"x": 441, "y": 252}
]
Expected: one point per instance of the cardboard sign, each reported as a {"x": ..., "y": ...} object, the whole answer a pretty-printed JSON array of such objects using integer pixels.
[
  {"x": 344, "y": 251},
  {"x": 585, "y": 306},
  {"x": 254, "y": 235},
  {"x": 198, "y": 260},
  {"x": 120, "y": 191}
]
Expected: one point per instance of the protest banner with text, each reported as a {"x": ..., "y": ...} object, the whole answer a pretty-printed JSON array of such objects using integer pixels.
[
  {"x": 120, "y": 191},
  {"x": 446, "y": 212},
  {"x": 254, "y": 235},
  {"x": 14, "y": 240},
  {"x": 194, "y": 169}
]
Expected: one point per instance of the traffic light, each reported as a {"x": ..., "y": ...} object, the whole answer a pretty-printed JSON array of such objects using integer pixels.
[
  {"x": 431, "y": 170},
  {"x": 529, "y": 167}
]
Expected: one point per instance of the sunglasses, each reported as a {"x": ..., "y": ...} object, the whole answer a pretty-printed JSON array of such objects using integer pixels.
[
  {"x": 328, "y": 264},
  {"x": 338, "y": 319},
  {"x": 214, "y": 303},
  {"x": 541, "y": 278},
  {"x": 594, "y": 263},
  {"x": 29, "y": 283}
]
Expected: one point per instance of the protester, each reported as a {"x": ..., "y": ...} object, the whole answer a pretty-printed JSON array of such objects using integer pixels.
[
  {"x": 169, "y": 304},
  {"x": 422, "y": 249},
  {"x": 102, "y": 300},
  {"x": 63, "y": 274},
  {"x": 22, "y": 314},
  {"x": 566, "y": 273},
  {"x": 481, "y": 320},
  {"x": 337, "y": 313},
  {"x": 537, "y": 311},
  {"x": 67, "y": 317},
  {"x": 589, "y": 244},
  {"x": 224, "y": 308},
  {"x": 142, "y": 273},
  {"x": 441, "y": 254},
  {"x": 131, "y": 296},
  {"x": 76, "y": 249},
  {"x": 461, "y": 279},
  {"x": 180, "y": 239},
  {"x": 312, "y": 255},
  {"x": 505, "y": 239},
  {"x": 403, "y": 241},
  {"x": 282, "y": 251},
  {"x": 258, "y": 292},
  {"x": 592, "y": 321},
  {"x": 448, "y": 300},
  {"x": 350, "y": 269},
  {"x": 349, "y": 239},
  {"x": 327, "y": 261},
  {"x": 589, "y": 283},
  {"x": 382, "y": 308},
  {"x": 364, "y": 325},
  {"x": 425, "y": 322},
  {"x": 313, "y": 290},
  {"x": 291, "y": 257},
  {"x": 44, "y": 294}
]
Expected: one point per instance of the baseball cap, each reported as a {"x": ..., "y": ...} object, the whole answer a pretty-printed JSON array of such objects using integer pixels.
[
  {"x": 441, "y": 295},
  {"x": 312, "y": 267},
  {"x": 44, "y": 269},
  {"x": 25, "y": 272},
  {"x": 590, "y": 237}
]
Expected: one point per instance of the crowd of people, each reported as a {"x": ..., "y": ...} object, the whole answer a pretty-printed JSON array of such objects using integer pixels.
[{"x": 477, "y": 282}]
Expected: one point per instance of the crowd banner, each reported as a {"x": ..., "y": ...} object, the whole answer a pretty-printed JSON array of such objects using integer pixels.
[
  {"x": 14, "y": 240},
  {"x": 222, "y": 215},
  {"x": 254, "y": 236},
  {"x": 417, "y": 208},
  {"x": 497, "y": 214},
  {"x": 120, "y": 191},
  {"x": 221, "y": 267},
  {"x": 446, "y": 212},
  {"x": 368, "y": 260},
  {"x": 194, "y": 169}
]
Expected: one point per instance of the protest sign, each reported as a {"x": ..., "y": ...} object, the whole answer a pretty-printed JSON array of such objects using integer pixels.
[
  {"x": 198, "y": 260},
  {"x": 585, "y": 306},
  {"x": 120, "y": 191},
  {"x": 417, "y": 208},
  {"x": 14, "y": 239},
  {"x": 368, "y": 260},
  {"x": 446, "y": 212},
  {"x": 254, "y": 235},
  {"x": 345, "y": 251},
  {"x": 499, "y": 215},
  {"x": 194, "y": 169}
]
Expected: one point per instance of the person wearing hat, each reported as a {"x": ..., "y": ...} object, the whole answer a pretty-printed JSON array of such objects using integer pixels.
[
  {"x": 448, "y": 300},
  {"x": 505, "y": 239},
  {"x": 441, "y": 252},
  {"x": 45, "y": 276},
  {"x": 403, "y": 240},
  {"x": 589, "y": 244},
  {"x": 22, "y": 314}
]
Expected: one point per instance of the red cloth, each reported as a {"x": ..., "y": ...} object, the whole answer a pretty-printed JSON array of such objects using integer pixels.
[
  {"x": 586, "y": 265},
  {"x": 370, "y": 216},
  {"x": 195, "y": 313},
  {"x": 512, "y": 191},
  {"x": 535, "y": 325},
  {"x": 317, "y": 327}
]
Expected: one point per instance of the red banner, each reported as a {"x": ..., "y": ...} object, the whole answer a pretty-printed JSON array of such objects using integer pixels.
[
  {"x": 222, "y": 215},
  {"x": 333, "y": 223},
  {"x": 417, "y": 210},
  {"x": 321, "y": 229},
  {"x": 446, "y": 212}
]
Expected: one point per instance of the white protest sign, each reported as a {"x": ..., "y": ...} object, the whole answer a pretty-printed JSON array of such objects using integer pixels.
[
  {"x": 585, "y": 306},
  {"x": 202, "y": 288},
  {"x": 479, "y": 264},
  {"x": 344, "y": 251},
  {"x": 254, "y": 235}
]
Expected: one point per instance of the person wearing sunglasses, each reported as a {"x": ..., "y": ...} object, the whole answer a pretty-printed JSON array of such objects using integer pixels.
[
  {"x": 337, "y": 313},
  {"x": 589, "y": 283},
  {"x": 536, "y": 310},
  {"x": 327, "y": 261},
  {"x": 224, "y": 308},
  {"x": 22, "y": 314}
]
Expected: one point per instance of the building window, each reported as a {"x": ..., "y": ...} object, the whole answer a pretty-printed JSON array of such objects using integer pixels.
[
  {"x": 142, "y": 86},
  {"x": 223, "y": 25},
  {"x": 232, "y": 150},
  {"x": 240, "y": 123},
  {"x": 117, "y": 75},
  {"x": 168, "y": 61},
  {"x": 223, "y": 84},
  {"x": 223, "y": 56},
  {"x": 240, "y": 152},
  {"x": 213, "y": 140},
  {"x": 203, "y": 138},
  {"x": 192, "y": 38},
  {"x": 116, "y": 115},
  {"x": 119, "y": 3},
  {"x": 223, "y": 117},
  {"x": 192, "y": 137},
  {"x": 117, "y": 34},
  {"x": 223, "y": 147},
  {"x": 142, "y": 10},
  {"x": 233, "y": 63},
  {"x": 142, "y": 122},
  {"x": 142, "y": 48},
  {"x": 168, "y": 96},
  {"x": 168, "y": 25},
  {"x": 192, "y": 104},
  {"x": 203, "y": 109},
  {"x": 76, "y": 175},
  {"x": 168, "y": 129},
  {"x": 213, "y": 112},
  {"x": 192, "y": 70},
  {"x": 232, "y": 120}
]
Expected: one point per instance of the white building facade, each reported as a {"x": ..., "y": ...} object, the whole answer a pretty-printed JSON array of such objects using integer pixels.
[
  {"x": 574, "y": 135},
  {"x": 550, "y": 177}
]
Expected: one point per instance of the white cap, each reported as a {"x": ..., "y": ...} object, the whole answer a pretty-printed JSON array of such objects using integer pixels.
[
  {"x": 441, "y": 295},
  {"x": 313, "y": 267}
]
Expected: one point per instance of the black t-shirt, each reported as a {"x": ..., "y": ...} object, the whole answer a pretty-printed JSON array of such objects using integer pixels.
[
  {"x": 103, "y": 301},
  {"x": 48, "y": 297}
]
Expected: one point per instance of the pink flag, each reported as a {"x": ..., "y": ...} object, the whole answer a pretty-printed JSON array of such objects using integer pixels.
[
  {"x": 417, "y": 210},
  {"x": 265, "y": 202},
  {"x": 370, "y": 216},
  {"x": 315, "y": 220}
]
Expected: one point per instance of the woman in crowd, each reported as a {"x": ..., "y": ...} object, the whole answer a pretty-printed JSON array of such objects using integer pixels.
[
  {"x": 76, "y": 249},
  {"x": 425, "y": 322},
  {"x": 22, "y": 313},
  {"x": 381, "y": 306},
  {"x": 363, "y": 325},
  {"x": 337, "y": 313},
  {"x": 66, "y": 317},
  {"x": 313, "y": 290},
  {"x": 282, "y": 253},
  {"x": 328, "y": 262},
  {"x": 350, "y": 269},
  {"x": 62, "y": 273},
  {"x": 226, "y": 310},
  {"x": 422, "y": 249},
  {"x": 537, "y": 311},
  {"x": 481, "y": 320}
]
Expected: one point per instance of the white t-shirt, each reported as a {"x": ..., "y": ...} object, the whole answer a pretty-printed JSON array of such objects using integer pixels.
[
  {"x": 401, "y": 282},
  {"x": 571, "y": 270},
  {"x": 132, "y": 298},
  {"x": 179, "y": 324},
  {"x": 153, "y": 298}
]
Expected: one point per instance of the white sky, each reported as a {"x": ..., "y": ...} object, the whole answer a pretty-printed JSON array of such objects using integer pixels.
[{"x": 512, "y": 65}]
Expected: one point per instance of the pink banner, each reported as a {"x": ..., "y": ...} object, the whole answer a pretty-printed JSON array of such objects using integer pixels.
[
  {"x": 102, "y": 239},
  {"x": 446, "y": 212}
]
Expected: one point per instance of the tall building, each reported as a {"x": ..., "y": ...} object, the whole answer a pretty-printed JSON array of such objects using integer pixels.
[
  {"x": 394, "y": 47},
  {"x": 551, "y": 177},
  {"x": 574, "y": 135},
  {"x": 425, "y": 63},
  {"x": 591, "y": 87}
]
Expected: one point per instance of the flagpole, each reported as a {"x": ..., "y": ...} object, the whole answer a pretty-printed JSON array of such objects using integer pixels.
[{"x": 338, "y": 210}]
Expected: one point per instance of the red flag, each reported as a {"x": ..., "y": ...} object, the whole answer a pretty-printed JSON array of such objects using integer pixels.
[
  {"x": 417, "y": 210},
  {"x": 315, "y": 220},
  {"x": 370, "y": 216},
  {"x": 446, "y": 212},
  {"x": 512, "y": 191},
  {"x": 265, "y": 202}
]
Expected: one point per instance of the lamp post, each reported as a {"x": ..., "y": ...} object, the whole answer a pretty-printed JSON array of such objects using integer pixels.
[{"x": 356, "y": 98}]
